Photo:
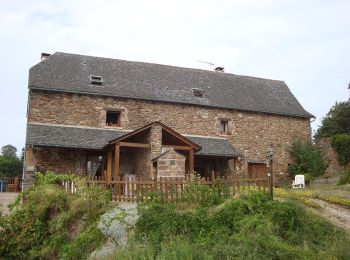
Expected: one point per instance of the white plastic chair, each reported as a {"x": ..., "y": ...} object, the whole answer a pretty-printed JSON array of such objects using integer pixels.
[{"x": 299, "y": 181}]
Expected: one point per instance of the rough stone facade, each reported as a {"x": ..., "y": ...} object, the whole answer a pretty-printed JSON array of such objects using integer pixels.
[
  {"x": 330, "y": 156},
  {"x": 171, "y": 164},
  {"x": 64, "y": 161},
  {"x": 252, "y": 132}
]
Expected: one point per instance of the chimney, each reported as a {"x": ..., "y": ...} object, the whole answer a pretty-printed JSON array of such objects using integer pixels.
[
  {"x": 45, "y": 55},
  {"x": 220, "y": 69}
]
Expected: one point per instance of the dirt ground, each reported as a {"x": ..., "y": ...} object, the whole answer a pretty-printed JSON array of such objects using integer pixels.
[{"x": 7, "y": 198}]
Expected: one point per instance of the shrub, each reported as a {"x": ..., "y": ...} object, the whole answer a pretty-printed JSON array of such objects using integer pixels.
[
  {"x": 52, "y": 223},
  {"x": 341, "y": 143},
  {"x": 253, "y": 227},
  {"x": 306, "y": 159},
  {"x": 345, "y": 178}
]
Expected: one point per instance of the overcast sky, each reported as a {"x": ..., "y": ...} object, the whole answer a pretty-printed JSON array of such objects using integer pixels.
[{"x": 304, "y": 43}]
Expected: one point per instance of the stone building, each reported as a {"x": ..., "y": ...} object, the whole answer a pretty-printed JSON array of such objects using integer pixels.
[{"x": 115, "y": 119}]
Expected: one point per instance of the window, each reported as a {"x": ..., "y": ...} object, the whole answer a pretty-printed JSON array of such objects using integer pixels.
[
  {"x": 198, "y": 92},
  {"x": 172, "y": 162},
  {"x": 113, "y": 118},
  {"x": 96, "y": 80},
  {"x": 223, "y": 127}
]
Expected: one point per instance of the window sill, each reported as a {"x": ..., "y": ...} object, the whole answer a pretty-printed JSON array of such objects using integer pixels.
[{"x": 113, "y": 127}]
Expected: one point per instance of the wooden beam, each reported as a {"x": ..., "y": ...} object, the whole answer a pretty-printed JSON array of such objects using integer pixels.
[
  {"x": 109, "y": 167},
  {"x": 103, "y": 175},
  {"x": 179, "y": 147},
  {"x": 29, "y": 156},
  {"x": 191, "y": 161},
  {"x": 139, "y": 145},
  {"x": 116, "y": 162}
]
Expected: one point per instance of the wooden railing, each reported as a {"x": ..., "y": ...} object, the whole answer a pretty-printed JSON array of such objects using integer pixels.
[
  {"x": 171, "y": 189},
  {"x": 10, "y": 184}
]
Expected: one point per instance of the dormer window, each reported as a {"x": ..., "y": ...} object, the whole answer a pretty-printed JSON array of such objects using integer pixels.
[
  {"x": 198, "y": 92},
  {"x": 96, "y": 80},
  {"x": 113, "y": 118}
]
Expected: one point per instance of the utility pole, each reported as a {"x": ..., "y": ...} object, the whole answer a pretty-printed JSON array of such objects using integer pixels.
[{"x": 270, "y": 168}]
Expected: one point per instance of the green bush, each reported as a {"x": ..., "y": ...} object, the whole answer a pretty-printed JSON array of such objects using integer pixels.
[
  {"x": 306, "y": 159},
  {"x": 345, "y": 178},
  {"x": 253, "y": 227},
  {"x": 341, "y": 143},
  {"x": 52, "y": 223}
]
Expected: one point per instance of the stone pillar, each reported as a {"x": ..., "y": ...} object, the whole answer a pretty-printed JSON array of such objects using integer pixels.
[
  {"x": 156, "y": 141},
  {"x": 28, "y": 168}
]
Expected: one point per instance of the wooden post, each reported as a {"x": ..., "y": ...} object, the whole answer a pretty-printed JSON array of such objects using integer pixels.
[
  {"x": 116, "y": 161},
  {"x": 116, "y": 168},
  {"x": 103, "y": 176},
  {"x": 29, "y": 159},
  {"x": 191, "y": 161},
  {"x": 109, "y": 167}
]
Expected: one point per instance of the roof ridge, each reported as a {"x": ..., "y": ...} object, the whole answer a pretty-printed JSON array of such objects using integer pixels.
[{"x": 166, "y": 65}]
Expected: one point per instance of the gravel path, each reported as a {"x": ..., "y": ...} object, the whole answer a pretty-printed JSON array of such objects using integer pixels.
[
  {"x": 336, "y": 214},
  {"x": 7, "y": 198}
]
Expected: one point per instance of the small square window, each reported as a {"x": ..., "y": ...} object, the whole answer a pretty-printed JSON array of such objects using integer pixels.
[
  {"x": 113, "y": 118},
  {"x": 223, "y": 127},
  {"x": 172, "y": 162}
]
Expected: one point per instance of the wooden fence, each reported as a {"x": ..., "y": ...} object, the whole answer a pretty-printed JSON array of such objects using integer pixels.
[
  {"x": 171, "y": 189},
  {"x": 10, "y": 184}
]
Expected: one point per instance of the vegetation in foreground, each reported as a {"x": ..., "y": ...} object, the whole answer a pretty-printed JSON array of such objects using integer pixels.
[
  {"x": 203, "y": 225},
  {"x": 251, "y": 227},
  {"x": 52, "y": 223}
]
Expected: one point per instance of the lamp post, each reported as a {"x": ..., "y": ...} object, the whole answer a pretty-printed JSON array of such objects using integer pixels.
[{"x": 270, "y": 174}]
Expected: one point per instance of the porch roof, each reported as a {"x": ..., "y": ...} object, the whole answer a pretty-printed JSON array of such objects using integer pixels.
[
  {"x": 49, "y": 135},
  {"x": 214, "y": 146}
]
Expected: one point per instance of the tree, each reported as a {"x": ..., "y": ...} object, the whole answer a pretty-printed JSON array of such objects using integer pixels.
[
  {"x": 9, "y": 151},
  {"x": 10, "y": 164},
  {"x": 337, "y": 121}
]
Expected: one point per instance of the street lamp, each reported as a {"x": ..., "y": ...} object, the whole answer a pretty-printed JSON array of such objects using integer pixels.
[{"x": 270, "y": 174}]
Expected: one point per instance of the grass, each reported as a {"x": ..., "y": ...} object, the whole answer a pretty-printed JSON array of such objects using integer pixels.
[{"x": 332, "y": 194}]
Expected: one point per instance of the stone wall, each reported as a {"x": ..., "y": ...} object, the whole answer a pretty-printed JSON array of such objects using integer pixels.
[
  {"x": 63, "y": 161},
  {"x": 171, "y": 164},
  {"x": 252, "y": 132},
  {"x": 330, "y": 156}
]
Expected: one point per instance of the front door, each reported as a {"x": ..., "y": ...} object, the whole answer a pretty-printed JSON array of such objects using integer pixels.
[{"x": 257, "y": 170}]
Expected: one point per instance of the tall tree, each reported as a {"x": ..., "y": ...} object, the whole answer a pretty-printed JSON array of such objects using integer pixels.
[
  {"x": 337, "y": 121},
  {"x": 9, "y": 151}
]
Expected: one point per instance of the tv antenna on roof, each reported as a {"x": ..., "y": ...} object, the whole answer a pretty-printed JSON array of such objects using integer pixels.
[{"x": 207, "y": 62}]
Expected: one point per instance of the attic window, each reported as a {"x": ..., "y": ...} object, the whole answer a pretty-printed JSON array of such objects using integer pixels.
[
  {"x": 113, "y": 118},
  {"x": 96, "y": 80},
  {"x": 198, "y": 92}
]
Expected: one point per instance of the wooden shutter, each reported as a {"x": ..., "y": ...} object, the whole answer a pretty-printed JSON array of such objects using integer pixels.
[
  {"x": 122, "y": 118},
  {"x": 218, "y": 126},
  {"x": 229, "y": 127}
]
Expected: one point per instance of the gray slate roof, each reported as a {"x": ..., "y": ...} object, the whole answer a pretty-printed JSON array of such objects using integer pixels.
[
  {"x": 214, "y": 146},
  {"x": 139, "y": 80},
  {"x": 70, "y": 137},
  {"x": 96, "y": 139}
]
